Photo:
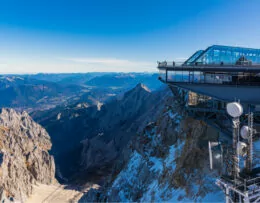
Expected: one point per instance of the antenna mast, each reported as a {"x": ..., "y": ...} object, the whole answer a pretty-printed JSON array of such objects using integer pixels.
[
  {"x": 235, "y": 110},
  {"x": 249, "y": 160}
]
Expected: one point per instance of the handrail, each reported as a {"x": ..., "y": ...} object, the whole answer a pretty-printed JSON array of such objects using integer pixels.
[
  {"x": 214, "y": 68},
  {"x": 169, "y": 63},
  {"x": 181, "y": 64}
]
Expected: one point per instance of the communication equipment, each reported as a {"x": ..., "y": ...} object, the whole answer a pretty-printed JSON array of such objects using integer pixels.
[
  {"x": 234, "y": 109},
  {"x": 244, "y": 132},
  {"x": 215, "y": 155},
  {"x": 242, "y": 149}
]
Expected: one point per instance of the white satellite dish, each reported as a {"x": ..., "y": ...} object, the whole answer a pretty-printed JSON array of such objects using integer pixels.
[
  {"x": 244, "y": 132},
  {"x": 242, "y": 148},
  {"x": 234, "y": 109}
]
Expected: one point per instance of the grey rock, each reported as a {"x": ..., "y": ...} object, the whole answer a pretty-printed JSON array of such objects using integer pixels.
[
  {"x": 88, "y": 140},
  {"x": 168, "y": 162},
  {"x": 93, "y": 195},
  {"x": 24, "y": 157}
]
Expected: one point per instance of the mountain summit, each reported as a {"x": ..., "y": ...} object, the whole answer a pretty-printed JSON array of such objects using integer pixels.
[{"x": 141, "y": 86}]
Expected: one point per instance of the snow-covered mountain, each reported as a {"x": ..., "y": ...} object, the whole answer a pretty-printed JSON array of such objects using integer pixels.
[{"x": 168, "y": 161}]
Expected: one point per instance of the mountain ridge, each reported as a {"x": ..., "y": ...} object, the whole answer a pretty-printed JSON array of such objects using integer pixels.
[{"x": 79, "y": 129}]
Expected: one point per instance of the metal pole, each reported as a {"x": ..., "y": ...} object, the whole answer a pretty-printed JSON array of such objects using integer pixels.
[
  {"x": 227, "y": 195},
  {"x": 221, "y": 171},
  {"x": 235, "y": 126},
  {"x": 246, "y": 199},
  {"x": 166, "y": 75},
  {"x": 250, "y": 141},
  {"x": 210, "y": 157}
]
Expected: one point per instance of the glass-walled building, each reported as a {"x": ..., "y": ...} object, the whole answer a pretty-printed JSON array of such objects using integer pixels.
[
  {"x": 225, "y": 55},
  {"x": 216, "y": 65},
  {"x": 222, "y": 72},
  {"x": 191, "y": 60}
]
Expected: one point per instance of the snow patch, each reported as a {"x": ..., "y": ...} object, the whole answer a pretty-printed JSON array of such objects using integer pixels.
[
  {"x": 157, "y": 165},
  {"x": 175, "y": 116}
]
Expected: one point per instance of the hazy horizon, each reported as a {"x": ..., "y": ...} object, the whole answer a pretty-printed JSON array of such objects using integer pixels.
[{"x": 108, "y": 72}]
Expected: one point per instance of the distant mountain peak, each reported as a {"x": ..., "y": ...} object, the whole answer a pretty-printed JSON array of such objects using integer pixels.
[
  {"x": 138, "y": 93},
  {"x": 142, "y": 87}
]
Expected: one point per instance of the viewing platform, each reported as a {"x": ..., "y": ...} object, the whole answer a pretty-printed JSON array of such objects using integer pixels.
[{"x": 221, "y": 72}]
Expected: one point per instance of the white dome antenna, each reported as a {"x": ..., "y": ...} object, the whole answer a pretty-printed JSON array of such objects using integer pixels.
[
  {"x": 234, "y": 109},
  {"x": 244, "y": 132}
]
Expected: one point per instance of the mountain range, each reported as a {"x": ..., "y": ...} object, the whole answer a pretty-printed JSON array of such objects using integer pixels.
[
  {"x": 91, "y": 138},
  {"x": 135, "y": 142}
]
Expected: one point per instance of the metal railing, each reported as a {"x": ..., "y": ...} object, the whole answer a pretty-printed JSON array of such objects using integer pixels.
[{"x": 165, "y": 64}]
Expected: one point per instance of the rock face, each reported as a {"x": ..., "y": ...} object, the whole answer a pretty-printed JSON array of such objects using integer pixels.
[
  {"x": 24, "y": 157},
  {"x": 119, "y": 121},
  {"x": 168, "y": 162},
  {"x": 89, "y": 140}
]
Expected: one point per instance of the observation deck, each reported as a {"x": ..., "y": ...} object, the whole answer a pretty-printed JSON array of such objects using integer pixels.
[{"x": 222, "y": 72}]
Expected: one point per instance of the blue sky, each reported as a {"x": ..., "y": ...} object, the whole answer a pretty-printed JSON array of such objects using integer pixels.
[{"x": 113, "y": 35}]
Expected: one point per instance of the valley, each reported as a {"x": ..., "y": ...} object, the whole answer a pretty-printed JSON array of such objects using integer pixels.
[
  {"x": 90, "y": 127},
  {"x": 129, "y": 143}
]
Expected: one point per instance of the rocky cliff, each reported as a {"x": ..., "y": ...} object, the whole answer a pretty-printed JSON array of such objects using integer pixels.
[
  {"x": 168, "y": 162},
  {"x": 119, "y": 121},
  {"x": 88, "y": 140},
  {"x": 24, "y": 157}
]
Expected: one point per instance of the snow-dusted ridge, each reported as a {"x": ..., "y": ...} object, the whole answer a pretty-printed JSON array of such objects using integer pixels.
[{"x": 168, "y": 163}]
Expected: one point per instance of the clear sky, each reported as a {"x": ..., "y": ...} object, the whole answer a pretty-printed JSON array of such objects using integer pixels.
[{"x": 118, "y": 35}]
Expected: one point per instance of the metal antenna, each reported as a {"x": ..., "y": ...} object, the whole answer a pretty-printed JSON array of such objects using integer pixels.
[
  {"x": 249, "y": 159},
  {"x": 235, "y": 110},
  {"x": 235, "y": 154}
]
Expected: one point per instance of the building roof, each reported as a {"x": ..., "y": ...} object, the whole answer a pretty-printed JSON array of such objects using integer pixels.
[{"x": 225, "y": 55}]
